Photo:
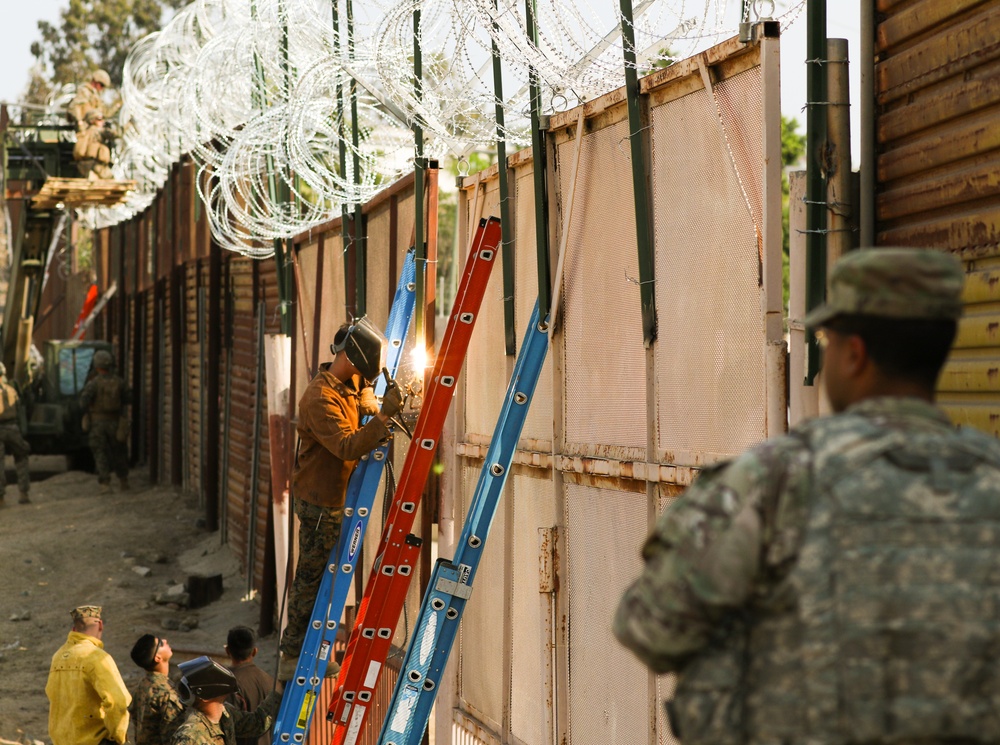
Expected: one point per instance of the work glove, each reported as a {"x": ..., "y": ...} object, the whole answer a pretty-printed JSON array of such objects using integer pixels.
[
  {"x": 392, "y": 400},
  {"x": 368, "y": 402}
]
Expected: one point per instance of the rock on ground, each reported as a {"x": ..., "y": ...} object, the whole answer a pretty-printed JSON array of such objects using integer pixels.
[{"x": 72, "y": 547}]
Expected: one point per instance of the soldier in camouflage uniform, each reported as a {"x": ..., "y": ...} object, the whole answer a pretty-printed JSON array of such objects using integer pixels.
[
  {"x": 105, "y": 399},
  {"x": 91, "y": 150},
  {"x": 157, "y": 710},
  {"x": 839, "y": 584},
  {"x": 11, "y": 439},
  {"x": 331, "y": 440},
  {"x": 90, "y": 97},
  {"x": 205, "y": 686}
]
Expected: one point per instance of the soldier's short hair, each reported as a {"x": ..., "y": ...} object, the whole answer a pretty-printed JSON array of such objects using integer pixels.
[
  {"x": 240, "y": 642},
  {"x": 92, "y": 116}
]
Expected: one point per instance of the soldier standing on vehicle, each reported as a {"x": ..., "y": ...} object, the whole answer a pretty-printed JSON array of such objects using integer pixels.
[
  {"x": 105, "y": 400},
  {"x": 838, "y": 584},
  {"x": 11, "y": 439},
  {"x": 88, "y": 701},
  {"x": 91, "y": 150},
  {"x": 90, "y": 97}
]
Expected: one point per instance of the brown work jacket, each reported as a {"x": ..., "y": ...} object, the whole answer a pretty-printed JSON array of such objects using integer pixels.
[{"x": 330, "y": 439}]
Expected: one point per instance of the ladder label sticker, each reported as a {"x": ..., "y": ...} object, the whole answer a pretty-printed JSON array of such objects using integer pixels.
[
  {"x": 427, "y": 640},
  {"x": 306, "y": 711},
  {"x": 355, "y": 542},
  {"x": 324, "y": 650},
  {"x": 371, "y": 678},
  {"x": 404, "y": 709},
  {"x": 357, "y": 718}
]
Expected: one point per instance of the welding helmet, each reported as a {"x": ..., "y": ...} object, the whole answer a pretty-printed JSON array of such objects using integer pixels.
[
  {"x": 364, "y": 345},
  {"x": 206, "y": 679}
]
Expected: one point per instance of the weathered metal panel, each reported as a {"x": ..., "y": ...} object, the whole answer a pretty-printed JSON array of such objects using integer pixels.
[
  {"x": 938, "y": 133},
  {"x": 967, "y": 44}
]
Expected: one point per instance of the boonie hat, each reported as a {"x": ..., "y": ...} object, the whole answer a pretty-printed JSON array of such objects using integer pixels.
[{"x": 903, "y": 283}]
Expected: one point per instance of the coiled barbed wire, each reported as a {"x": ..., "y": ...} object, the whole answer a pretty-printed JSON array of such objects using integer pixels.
[{"x": 259, "y": 94}]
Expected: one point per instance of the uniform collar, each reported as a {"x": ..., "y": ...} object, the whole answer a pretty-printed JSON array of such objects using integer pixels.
[
  {"x": 344, "y": 389},
  {"x": 901, "y": 408},
  {"x": 79, "y": 638}
]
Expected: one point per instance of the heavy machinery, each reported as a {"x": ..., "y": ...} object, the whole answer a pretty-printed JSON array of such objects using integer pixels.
[{"x": 41, "y": 190}]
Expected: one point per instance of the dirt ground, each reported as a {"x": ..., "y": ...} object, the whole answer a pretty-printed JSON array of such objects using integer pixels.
[{"x": 72, "y": 547}]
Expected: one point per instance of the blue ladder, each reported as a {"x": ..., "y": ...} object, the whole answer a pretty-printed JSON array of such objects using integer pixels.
[
  {"x": 299, "y": 699},
  {"x": 451, "y": 583}
]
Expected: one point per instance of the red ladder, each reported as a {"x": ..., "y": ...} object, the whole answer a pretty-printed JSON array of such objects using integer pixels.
[{"x": 399, "y": 549}]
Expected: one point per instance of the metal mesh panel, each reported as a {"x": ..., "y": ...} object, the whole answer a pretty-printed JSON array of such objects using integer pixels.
[
  {"x": 538, "y": 424},
  {"x": 404, "y": 222},
  {"x": 377, "y": 284},
  {"x": 531, "y": 653},
  {"x": 333, "y": 311},
  {"x": 305, "y": 316},
  {"x": 710, "y": 344},
  {"x": 740, "y": 100},
  {"x": 599, "y": 523},
  {"x": 486, "y": 368},
  {"x": 605, "y": 398},
  {"x": 481, "y": 641}
]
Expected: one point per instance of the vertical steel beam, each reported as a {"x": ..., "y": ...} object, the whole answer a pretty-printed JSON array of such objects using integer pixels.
[
  {"x": 640, "y": 180},
  {"x": 360, "y": 246},
  {"x": 419, "y": 166},
  {"x": 506, "y": 227},
  {"x": 866, "y": 59},
  {"x": 538, "y": 154},
  {"x": 816, "y": 206},
  {"x": 345, "y": 230}
]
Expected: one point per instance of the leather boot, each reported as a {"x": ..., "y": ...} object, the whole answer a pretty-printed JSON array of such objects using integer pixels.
[
  {"x": 24, "y": 498},
  {"x": 123, "y": 483}
]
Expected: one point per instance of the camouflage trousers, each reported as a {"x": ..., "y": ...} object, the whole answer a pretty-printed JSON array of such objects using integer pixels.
[
  {"x": 11, "y": 441},
  {"x": 319, "y": 530},
  {"x": 109, "y": 454}
]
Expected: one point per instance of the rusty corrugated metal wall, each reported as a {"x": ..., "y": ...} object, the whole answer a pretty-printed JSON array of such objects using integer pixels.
[{"x": 938, "y": 170}]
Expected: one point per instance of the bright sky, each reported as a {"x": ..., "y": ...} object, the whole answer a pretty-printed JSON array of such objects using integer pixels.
[{"x": 21, "y": 28}]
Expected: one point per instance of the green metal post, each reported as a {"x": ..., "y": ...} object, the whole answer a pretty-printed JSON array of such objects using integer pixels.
[
  {"x": 506, "y": 233},
  {"x": 360, "y": 247},
  {"x": 419, "y": 165},
  {"x": 816, "y": 96},
  {"x": 538, "y": 157},
  {"x": 345, "y": 231},
  {"x": 640, "y": 185}
]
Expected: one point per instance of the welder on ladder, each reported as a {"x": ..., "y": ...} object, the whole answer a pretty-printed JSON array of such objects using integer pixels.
[{"x": 331, "y": 440}]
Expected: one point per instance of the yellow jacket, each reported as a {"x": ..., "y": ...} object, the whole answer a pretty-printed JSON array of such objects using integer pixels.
[{"x": 88, "y": 701}]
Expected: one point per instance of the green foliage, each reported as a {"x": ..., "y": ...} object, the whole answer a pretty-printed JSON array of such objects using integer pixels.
[
  {"x": 92, "y": 34},
  {"x": 793, "y": 147}
]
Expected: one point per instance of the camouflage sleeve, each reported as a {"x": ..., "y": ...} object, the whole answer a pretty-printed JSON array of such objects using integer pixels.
[
  {"x": 87, "y": 396},
  {"x": 173, "y": 716},
  {"x": 255, "y": 723},
  {"x": 704, "y": 559}
]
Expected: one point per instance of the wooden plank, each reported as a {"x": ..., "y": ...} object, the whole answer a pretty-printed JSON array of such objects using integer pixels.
[
  {"x": 979, "y": 330},
  {"x": 919, "y": 18},
  {"x": 976, "y": 134},
  {"x": 943, "y": 103},
  {"x": 964, "y": 46},
  {"x": 977, "y": 227},
  {"x": 978, "y": 178}
]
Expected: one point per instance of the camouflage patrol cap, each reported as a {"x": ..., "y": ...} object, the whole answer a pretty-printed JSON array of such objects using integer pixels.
[
  {"x": 86, "y": 611},
  {"x": 102, "y": 77},
  {"x": 902, "y": 283}
]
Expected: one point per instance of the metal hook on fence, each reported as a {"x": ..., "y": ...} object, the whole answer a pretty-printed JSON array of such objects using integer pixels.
[{"x": 464, "y": 167}]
